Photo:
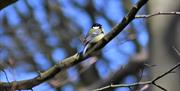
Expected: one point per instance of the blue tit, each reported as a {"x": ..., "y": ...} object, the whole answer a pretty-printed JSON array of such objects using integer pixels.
[{"x": 95, "y": 34}]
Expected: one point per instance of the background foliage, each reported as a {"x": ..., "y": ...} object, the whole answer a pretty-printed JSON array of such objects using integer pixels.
[{"x": 36, "y": 34}]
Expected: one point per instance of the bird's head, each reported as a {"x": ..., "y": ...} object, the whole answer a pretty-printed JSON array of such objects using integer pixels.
[{"x": 97, "y": 28}]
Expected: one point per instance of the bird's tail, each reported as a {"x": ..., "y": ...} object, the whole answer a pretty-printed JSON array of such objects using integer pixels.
[{"x": 85, "y": 49}]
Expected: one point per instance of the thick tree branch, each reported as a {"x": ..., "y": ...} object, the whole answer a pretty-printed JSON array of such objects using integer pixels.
[
  {"x": 5, "y": 3},
  {"x": 157, "y": 13},
  {"x": 153, "y": 82},
  {"x": 119, "y": 27},
  {"x": 77, "y": 58}
]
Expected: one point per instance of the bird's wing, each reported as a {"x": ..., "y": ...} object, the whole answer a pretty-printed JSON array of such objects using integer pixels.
[{"x": 89, "y": 38}]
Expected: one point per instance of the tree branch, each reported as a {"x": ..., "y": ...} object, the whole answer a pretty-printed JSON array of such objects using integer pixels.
[
  {"x": 77, "y": 58},
  {"x": 119, "y": 27},
  {"x": 142, "y": 83},
  {"x": 157, "y": 13},
  {"x": 5, "y": 3},
  {"x": 123, "y": 85},
  {"x": 153, "y": 82},
  {"x": 131, "y": 68}
]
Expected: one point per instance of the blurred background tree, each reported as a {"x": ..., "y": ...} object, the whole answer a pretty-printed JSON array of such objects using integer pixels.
[{"x": 37, "y": 34}]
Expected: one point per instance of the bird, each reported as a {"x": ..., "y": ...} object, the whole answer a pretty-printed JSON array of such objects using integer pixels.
[{"x": 95, "y": 34}]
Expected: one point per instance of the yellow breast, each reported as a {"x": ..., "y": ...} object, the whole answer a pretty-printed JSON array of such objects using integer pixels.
[{"x": 97, "y": 38}]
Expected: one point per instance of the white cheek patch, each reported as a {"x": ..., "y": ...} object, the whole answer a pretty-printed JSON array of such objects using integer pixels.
[{"x": 96, "y": 27}]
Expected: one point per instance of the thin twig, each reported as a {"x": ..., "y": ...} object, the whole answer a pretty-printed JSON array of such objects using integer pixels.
[
  {"x": 176, "y": 50},
  {"x": 153, "y": 82},
  {"x": 142, "y": 83},
  {"x": 123, "y": 85},
  {"x": 169, "y": 71},
  {"x": 5, "y": 75},
  {"x": 159, "y": 87},
  {"x": 157, "y": 13}
]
